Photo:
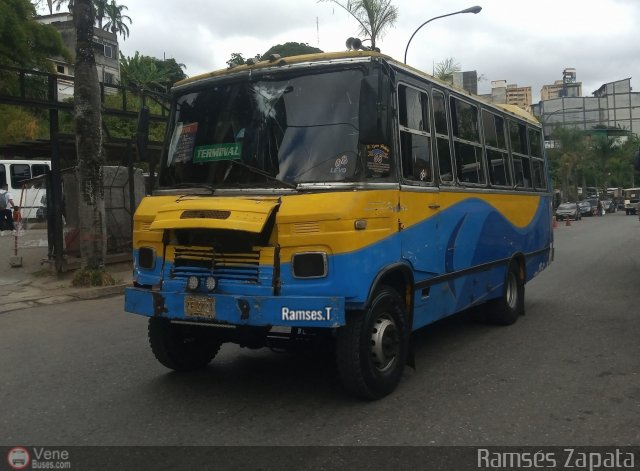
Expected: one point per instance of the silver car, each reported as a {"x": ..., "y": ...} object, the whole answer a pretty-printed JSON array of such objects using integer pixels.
[{"x": 568, "y": 210}]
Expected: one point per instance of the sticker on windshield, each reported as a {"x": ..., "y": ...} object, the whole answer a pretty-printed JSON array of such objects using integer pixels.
[
  {"x": 217, "y": 152},
  {"x": 182, "y": 142},
  {"x": 378, "y": 161},
  {"x": 340, "y": 166}
]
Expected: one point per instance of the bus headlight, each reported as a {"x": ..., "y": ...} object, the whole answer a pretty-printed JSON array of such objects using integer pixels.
[
  {"x": 192, "y": 283},
  {"x": 309, "y": 265},
  {"x": 211, "y": 283}
]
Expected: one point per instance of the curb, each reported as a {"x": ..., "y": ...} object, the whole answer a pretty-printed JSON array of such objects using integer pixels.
[{"x": 82, "y": 294}]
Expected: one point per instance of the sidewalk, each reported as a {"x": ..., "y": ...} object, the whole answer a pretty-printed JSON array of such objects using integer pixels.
[{"x": 33, "y": 283}]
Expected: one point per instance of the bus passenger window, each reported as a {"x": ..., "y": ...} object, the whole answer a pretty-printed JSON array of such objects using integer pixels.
[
  {"x": 497, "y": 153},
  {"x": 442, "y": 137},
  {"x": 537, "y": 160},
  {"x": 466, "y": 141},
  {"x": 520, "y": 155},
  {"x": 415, "y": 139},
  {"x": 3, "y": 176}
]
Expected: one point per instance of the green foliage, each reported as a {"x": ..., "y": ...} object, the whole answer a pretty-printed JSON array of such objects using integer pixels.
[
  {"x": 125, "y": 128},
  {"x": 237, "y": 59},
  {"x": 284, "y": 50},
  {"x": 21, "y": 124},
  {"x": 291, "y": 49},
  {"x": 444, "y": 70},
  {"x": 25, "y": 42},
  {"x": 583, "y": 160},
  {"x": 149, "y": 73},
  {"x": 116, "y": 20},
  {"x": 86, "y": 277}
]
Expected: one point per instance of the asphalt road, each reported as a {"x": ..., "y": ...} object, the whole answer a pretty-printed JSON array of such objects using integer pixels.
[{"x": 566, "y": 373}]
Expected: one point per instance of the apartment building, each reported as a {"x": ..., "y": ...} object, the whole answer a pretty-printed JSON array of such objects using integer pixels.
[
  {"x": 509, "y": 93},
  {"x": 105, "y": 44}
]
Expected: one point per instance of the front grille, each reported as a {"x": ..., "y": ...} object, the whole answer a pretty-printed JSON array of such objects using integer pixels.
[
  {"x": 306, "y": 227},
  {"x": 242, "y": 267}
]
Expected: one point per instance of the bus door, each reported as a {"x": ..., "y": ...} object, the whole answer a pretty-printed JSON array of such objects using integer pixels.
[{"x": 419, "y": 196}]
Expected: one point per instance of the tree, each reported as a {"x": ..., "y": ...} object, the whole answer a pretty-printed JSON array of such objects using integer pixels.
[
  {"x": 23, "y": 41},
  {"x": 116, "y": 19},
  {"x": 88, "y": 119},
  {"x": 149, "y": 73},
  {"x": 444, "y": 70},
  {"x": 374, "y": 16},
  {"x": 103, "y": 9},
  {"x": 291, "y": 49},
  {"x": 568, "y": 162},
  {"x": 235, "y": 59}
]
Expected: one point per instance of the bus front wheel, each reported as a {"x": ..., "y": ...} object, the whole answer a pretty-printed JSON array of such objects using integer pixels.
[
  {"x": 181, "y": 347},
  {"x": 506, "y": 309},
  {"x": 372, "y": 347}
]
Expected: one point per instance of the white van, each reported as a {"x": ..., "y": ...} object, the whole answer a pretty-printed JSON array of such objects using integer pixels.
[{"x": 14, "y": 173}]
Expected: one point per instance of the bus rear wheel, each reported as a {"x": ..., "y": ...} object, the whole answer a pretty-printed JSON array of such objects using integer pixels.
[
  {"x": 372, "y": 348},
  {"x": 181, "y": 347},
  {"x": 506, "y": 309}
]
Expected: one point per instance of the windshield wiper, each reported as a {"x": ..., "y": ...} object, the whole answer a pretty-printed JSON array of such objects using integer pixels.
[{"x": 259, "y": 171}]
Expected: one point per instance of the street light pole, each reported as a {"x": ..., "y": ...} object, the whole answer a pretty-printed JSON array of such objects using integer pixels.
[{"x": 476, "y": 9}]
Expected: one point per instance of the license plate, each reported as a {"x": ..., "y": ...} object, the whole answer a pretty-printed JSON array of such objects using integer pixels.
[{"x": 199, "y": 306}]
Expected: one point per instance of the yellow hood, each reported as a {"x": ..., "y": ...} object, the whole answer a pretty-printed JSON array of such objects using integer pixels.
[{"x": 240, "y": 214}]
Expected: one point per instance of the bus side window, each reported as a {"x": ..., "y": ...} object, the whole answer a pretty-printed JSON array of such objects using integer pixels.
[
  {"x": 496, "y": 146},
  {"x": 415, "y": 139},
  {"x": 466, "y": 141},
  {"x": 520, "y": 154},
  {"x": 38, "y": 169},
  {"x": 442, "y": 137},
  {"x": 19, "y": 173},
  {"x": 537, "y": 160},
  {"x": 3, "y": 176}
]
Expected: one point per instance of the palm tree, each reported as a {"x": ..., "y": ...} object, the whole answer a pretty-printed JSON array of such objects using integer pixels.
[
  {"x": 116, "y": 23},
  {"x": 143, "y": 72},
  {"x": 374, "y": 16},
  {"x": 88, "y": 122},
  {"x": 444, "y": 70},
  {"x": 101, "y": 10}
]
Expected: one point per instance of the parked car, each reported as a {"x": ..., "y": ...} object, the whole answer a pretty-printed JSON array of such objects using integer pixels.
[
  {"x": 609, "y": 206},
  {"x": 595, "y": 206},
  {"x": 585, "y": 208},
  {"x": 568, "y": 210}
]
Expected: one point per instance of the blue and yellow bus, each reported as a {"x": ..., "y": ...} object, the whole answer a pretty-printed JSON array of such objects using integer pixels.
[{"x": 344, "y": 198}]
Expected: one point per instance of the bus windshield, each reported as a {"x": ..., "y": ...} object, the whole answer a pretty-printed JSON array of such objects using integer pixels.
[{"x": 277, "y": 130}]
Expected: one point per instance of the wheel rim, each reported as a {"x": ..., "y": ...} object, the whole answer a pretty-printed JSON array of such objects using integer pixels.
[
  {"x": 511, "y": 293},
  {"x": 385, "y": 343}
]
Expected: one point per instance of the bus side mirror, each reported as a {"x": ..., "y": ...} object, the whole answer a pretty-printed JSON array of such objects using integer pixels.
[{"x": 375, "y": 110}]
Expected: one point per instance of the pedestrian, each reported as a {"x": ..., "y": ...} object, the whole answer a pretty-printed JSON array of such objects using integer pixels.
[{"x": 6, "y": 205}]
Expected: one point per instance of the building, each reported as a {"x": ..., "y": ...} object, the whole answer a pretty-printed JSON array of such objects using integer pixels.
[
  {"x": 467, "y": 80},
  {"x": 106, "y": 50},
  {"x": 510, "y": 94},
  {"x": 613, "y": 109},
  {"x": 567, "y": 87}
]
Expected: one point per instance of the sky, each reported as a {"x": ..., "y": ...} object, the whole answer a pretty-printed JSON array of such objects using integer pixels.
[{"x": 525, "y": 42}]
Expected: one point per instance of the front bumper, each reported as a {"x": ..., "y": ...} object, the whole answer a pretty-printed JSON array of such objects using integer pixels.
[{"x": 290, "y": 311}]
